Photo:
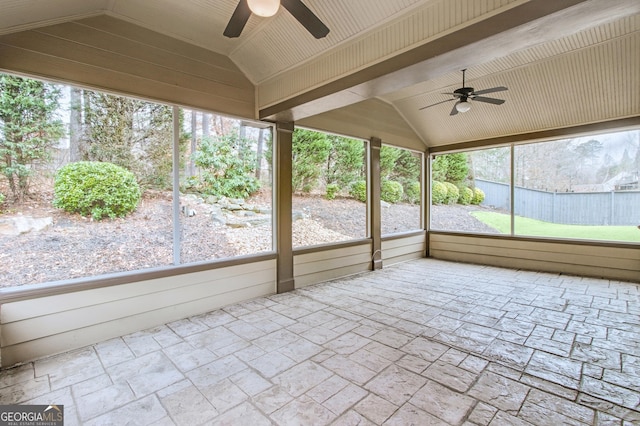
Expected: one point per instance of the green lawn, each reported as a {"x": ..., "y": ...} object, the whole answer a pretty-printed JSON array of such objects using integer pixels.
[{"x": 538, "y": 228}]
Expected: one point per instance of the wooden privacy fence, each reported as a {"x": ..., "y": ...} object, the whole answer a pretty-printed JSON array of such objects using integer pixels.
[{"x": 569, "y": 208}]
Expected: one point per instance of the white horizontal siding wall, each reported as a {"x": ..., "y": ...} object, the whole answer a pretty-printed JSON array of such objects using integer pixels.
[
  {"x": 37, "y": 327},
  {"x": 400, "y": 249},
  {"x": 327, "y": 264},
  {"x": 106, "y": 53},
  {"x": 619, "y": 263}
]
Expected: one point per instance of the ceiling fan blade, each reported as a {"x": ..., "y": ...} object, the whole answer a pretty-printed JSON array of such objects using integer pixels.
[
  {"x": 238, "y": 20},
  {"x": 492, "y": 90},
  {"x": 488, "y": 100},
  {"x": 437, "y": 103},
  {"x": 306, "y": 17},
  {"x": 454, "y": 110},
  {"x": 457, "y": 95}
]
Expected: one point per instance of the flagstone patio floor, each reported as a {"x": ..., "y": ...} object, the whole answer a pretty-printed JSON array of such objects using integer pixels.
[{"x": 425, "y": 342}]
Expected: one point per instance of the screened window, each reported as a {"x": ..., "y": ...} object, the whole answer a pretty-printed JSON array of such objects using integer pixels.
[
  {"x": 329, "y": 188},
  {"x": 468, "y": 188},
  {"x": 225, "y": 188},
  {"x": 583, "y": 188},
  {"x": 87, "y": 185},
  {"x": 400, "y": 190}
]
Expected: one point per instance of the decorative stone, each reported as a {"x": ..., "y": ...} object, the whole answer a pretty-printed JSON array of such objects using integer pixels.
[
  {"x": 23, "y": 224},
  {"x": 237, "y": 224},
  {"x": 218, "y": 218},
  {"x": 259, "y": 221},
  {"x": 233, "y": 207},
  {"x": 298, "y": 215}
]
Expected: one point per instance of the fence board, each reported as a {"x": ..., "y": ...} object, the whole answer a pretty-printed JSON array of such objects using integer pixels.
[{"x": 615, "y": 208}]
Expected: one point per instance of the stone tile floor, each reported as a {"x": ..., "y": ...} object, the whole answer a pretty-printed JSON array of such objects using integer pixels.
[{"x": 425, "y": 342}]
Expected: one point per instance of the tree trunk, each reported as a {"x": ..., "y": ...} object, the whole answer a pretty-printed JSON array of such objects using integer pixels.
[
  {"x": 259, "y": 154},
  {"x": 75, "y": 124},
  {"x": 243, "y": 135},
  {"x": 191, "y": 166},
  {"x": 206, "y": 126}
]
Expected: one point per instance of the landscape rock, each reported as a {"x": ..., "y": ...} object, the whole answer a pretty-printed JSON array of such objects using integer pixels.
[
  {"x": 17, "y": 225},
  {"x": 238, "y": 224},
  {"x": 299, "y": 215},
  {"x": 232, "y": 207},
  {"x": 218, "y": 218}
]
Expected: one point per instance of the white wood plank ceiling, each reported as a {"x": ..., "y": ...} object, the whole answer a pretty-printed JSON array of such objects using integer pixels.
[{"x": 577, "y": 67}]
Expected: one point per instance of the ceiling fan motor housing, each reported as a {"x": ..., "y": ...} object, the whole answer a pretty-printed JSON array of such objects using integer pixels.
[{"x": 463, "y": 92}]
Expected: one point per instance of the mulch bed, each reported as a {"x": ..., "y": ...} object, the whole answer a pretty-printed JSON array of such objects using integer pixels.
[{"x": 75, "y": 246}]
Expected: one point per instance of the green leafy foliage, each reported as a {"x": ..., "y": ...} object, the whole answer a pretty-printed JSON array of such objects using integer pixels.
[
  {"x": 391, "y": 191},
  {"x": 452, "y": 193},
  {"x": 319, "y": 157},
  {"x": 438, "y": 192},
  {"x": 133, "y": 134},
  {"x": 452, "y": 168},
  {"x": 310, "y": 151},
  {"x": 227, "y": 166},
  {"x": 388, "y": 158},
  {"x": 466, "y": 195},
  {"x": 407, "y": 167},
  {"x": 358, "y": 190},
  {"x": 332, "y": 191},
  {"x": 345, "y": 162},
  {"x": 2, "y": 198},
  {"x": 28, "y": 129},
  {"x": 478, "y": 196},
  {"x": 412, "y": 192},
  {"x": 96, "y": 189}
]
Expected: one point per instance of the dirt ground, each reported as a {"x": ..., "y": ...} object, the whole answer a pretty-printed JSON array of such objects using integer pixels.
[{"x": 74, "y": 246}]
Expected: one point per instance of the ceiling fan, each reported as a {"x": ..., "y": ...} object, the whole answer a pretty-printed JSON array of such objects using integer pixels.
[
  {"x": 268, "y": 8},
  {"x": 465, "y": 94}
]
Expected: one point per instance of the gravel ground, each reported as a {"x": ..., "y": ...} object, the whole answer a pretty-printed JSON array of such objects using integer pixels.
[{"x": 78, "y": 247}]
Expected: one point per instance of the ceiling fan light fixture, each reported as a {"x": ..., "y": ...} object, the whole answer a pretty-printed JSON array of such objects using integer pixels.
[
  {"x": 463, "y": 106},
  {"x": 264, "y": 8}
]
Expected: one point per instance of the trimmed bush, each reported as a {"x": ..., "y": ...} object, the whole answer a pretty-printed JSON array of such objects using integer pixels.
[
  {"x": 96, "y": 189},
  {"x": 466, "y": 195},
  {"x": 358, "y": 190},
  {"x": 227, "y": 167},
  {"x": 412, "y": 192},
  {"x": 391, "y": 191},
  {"x": 438, "y": 192},
  {"x": 452, "y": 193},
  {"x": 478, "y": 196},
  {"x": 332, "y": 190}
]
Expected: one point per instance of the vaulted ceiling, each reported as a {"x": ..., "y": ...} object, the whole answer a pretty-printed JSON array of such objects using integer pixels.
[{"x": 567, "y": 63}]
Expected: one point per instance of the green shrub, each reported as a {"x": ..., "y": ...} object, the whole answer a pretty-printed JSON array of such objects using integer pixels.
[
  {"x": 412, "y": 192},
  {"x": 478, "y": 196},
  {"x": 332, "y": 190},
  {"x": 358, "y": 190},
  {"x": 438, "y": 192},
  {"x": 96, "y": 189},
  {"x": 466, "y": 195},
  {"x": 2, "y": 198},
  {"x": 453, "y": 193},
  {"x": 391, "y": 191},
  {"x": 227, "y": 167}
]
